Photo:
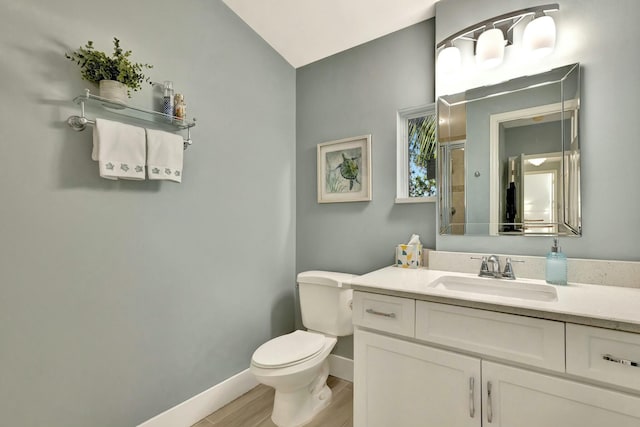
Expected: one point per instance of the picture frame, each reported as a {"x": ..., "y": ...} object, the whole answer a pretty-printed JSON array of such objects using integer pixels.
[{"x": 344, "y": 170}]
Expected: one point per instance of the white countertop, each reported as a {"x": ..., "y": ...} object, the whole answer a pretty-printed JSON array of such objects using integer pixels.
[{"x": 604, "y": 306}]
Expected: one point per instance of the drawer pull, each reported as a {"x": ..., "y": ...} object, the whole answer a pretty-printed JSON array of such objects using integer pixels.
[
  {"x": 614, "y": 359},
  {"x": 379, "y": 313}
]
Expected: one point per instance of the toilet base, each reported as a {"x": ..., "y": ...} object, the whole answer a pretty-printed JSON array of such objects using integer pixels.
[{"x": 298, "y": 407}]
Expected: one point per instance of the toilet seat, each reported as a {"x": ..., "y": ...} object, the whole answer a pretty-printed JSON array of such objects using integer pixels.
[{"x": 287, "y": 350}]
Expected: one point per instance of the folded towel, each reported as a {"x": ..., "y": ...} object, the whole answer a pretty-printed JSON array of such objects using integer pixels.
[
  {"x": 165, "y": 153},
  {"x": 119, "y": 150}
]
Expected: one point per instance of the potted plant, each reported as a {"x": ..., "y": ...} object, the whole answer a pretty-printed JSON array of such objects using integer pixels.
[{"x": 116, "y": 74}]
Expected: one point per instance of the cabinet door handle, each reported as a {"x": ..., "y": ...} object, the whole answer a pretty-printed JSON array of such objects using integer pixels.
[
  {"x": 489, "y": 405},
  {"x": 614, "y": 359},
  {"x": 380, "y": 313},
  {"x": 472, "y": 405}
]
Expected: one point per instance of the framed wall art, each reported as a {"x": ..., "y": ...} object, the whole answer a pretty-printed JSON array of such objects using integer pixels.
[{"x": 344, "y": 170}]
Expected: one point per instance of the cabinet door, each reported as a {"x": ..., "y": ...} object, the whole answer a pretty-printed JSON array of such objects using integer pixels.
[
  {"x": 527, "y": 399},
  {"x": 399, "y": 383}
]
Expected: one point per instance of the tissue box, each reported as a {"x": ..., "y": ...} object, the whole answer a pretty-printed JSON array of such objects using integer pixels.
[{"x": 409, "y": 256}]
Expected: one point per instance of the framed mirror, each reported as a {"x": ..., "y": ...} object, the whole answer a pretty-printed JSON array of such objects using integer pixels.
[{"x": 509, "y": 157}]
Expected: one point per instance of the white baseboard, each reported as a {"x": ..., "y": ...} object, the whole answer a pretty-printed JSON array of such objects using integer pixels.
[
  {"x": 341, "y": 367},
  {"x": 196, "y": 408}
]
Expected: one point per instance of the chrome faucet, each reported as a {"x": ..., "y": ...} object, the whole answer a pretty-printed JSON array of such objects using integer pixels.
[
  {"x": 490, "y": 267},
  {"x": 484, "y": 267},
  {"x": 494, "y": 266}
]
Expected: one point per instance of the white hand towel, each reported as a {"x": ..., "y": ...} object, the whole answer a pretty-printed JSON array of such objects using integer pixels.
[
  {"x": 165, "y": 153},
  {"x": 119, "y": 150}
]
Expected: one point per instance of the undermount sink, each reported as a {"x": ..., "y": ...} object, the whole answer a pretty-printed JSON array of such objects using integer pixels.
[{"x": 497, "y": 287}]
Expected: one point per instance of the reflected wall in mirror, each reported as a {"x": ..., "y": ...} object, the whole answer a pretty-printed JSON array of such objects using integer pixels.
[{"x": 509, "y": 157}]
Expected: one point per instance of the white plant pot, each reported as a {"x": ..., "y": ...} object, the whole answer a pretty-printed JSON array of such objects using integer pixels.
[{"x": 113, "y": 91}]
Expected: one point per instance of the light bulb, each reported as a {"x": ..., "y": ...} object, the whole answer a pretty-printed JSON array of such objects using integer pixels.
[
  {"x": 490, "y": 48},
  {"x": 539, "y": 36},
  {"x": 538, "y": 161},
  {"x": 449, "y": 60}
]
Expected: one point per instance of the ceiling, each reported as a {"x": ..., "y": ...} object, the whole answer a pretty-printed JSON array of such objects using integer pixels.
[{"x": 304, "y": 31}]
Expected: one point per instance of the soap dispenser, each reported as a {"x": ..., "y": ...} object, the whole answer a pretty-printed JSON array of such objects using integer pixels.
[{"x": 556, "y": 272}]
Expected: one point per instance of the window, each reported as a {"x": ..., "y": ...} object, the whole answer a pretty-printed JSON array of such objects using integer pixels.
[{"x": 416, "y": 158}]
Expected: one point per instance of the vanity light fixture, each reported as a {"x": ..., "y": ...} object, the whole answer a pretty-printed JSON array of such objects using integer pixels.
[{"x": 491, "y": 36}]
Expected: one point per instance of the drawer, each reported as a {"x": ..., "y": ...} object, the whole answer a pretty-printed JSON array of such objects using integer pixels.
[
  {"x": 604, "y": 355},
  {"x": 535, "y": 342},
  {"x": 384, "y": 313}
]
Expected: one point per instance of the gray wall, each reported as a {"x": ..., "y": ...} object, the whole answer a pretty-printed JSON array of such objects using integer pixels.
[
  {"x": 477, "y": 147},
  {"x": 608, "y": 129},
  {"x": 534, "y": 139},
  {"x": 358, "y": 92},
  {"x": 119, "y": 300}
]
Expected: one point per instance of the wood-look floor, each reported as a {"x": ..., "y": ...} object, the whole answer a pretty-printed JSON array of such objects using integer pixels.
[{"x": 253, "y": 409}]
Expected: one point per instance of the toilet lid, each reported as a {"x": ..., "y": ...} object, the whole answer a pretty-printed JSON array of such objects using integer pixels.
[{"x": 288, "y": 349}]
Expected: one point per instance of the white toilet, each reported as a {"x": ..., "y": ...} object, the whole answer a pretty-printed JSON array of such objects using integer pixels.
[{"x": 296, "y": 364}]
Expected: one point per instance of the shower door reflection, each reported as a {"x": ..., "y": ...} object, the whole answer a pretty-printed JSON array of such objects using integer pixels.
[{"x": 453, "y": 199}]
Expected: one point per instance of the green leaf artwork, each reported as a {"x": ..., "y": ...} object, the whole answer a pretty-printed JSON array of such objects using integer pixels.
[{"x": 343, "y": 171}]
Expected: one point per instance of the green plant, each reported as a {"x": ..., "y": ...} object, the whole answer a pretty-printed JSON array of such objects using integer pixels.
[
  {"x": 95, "y": 66},
  {"x": 422, "y": 137},
  {"x": 422, "y": 154}
]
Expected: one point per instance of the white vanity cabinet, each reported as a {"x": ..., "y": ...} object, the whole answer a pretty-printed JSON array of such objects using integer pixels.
[
  {"x": 458, "y": 366},
  {"x": 404, "y": 384}
]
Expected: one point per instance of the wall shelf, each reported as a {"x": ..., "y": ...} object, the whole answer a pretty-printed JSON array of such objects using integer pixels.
[{"x": 151, "y": 118}]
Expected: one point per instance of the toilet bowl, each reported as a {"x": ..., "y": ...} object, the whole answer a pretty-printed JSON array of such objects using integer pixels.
[
  {"x": 296, "y": 364},
  {"x": 301, "y": 385}
]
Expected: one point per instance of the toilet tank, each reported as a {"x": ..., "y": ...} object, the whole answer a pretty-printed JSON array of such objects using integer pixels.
[{"x": 325, "y": 302}]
